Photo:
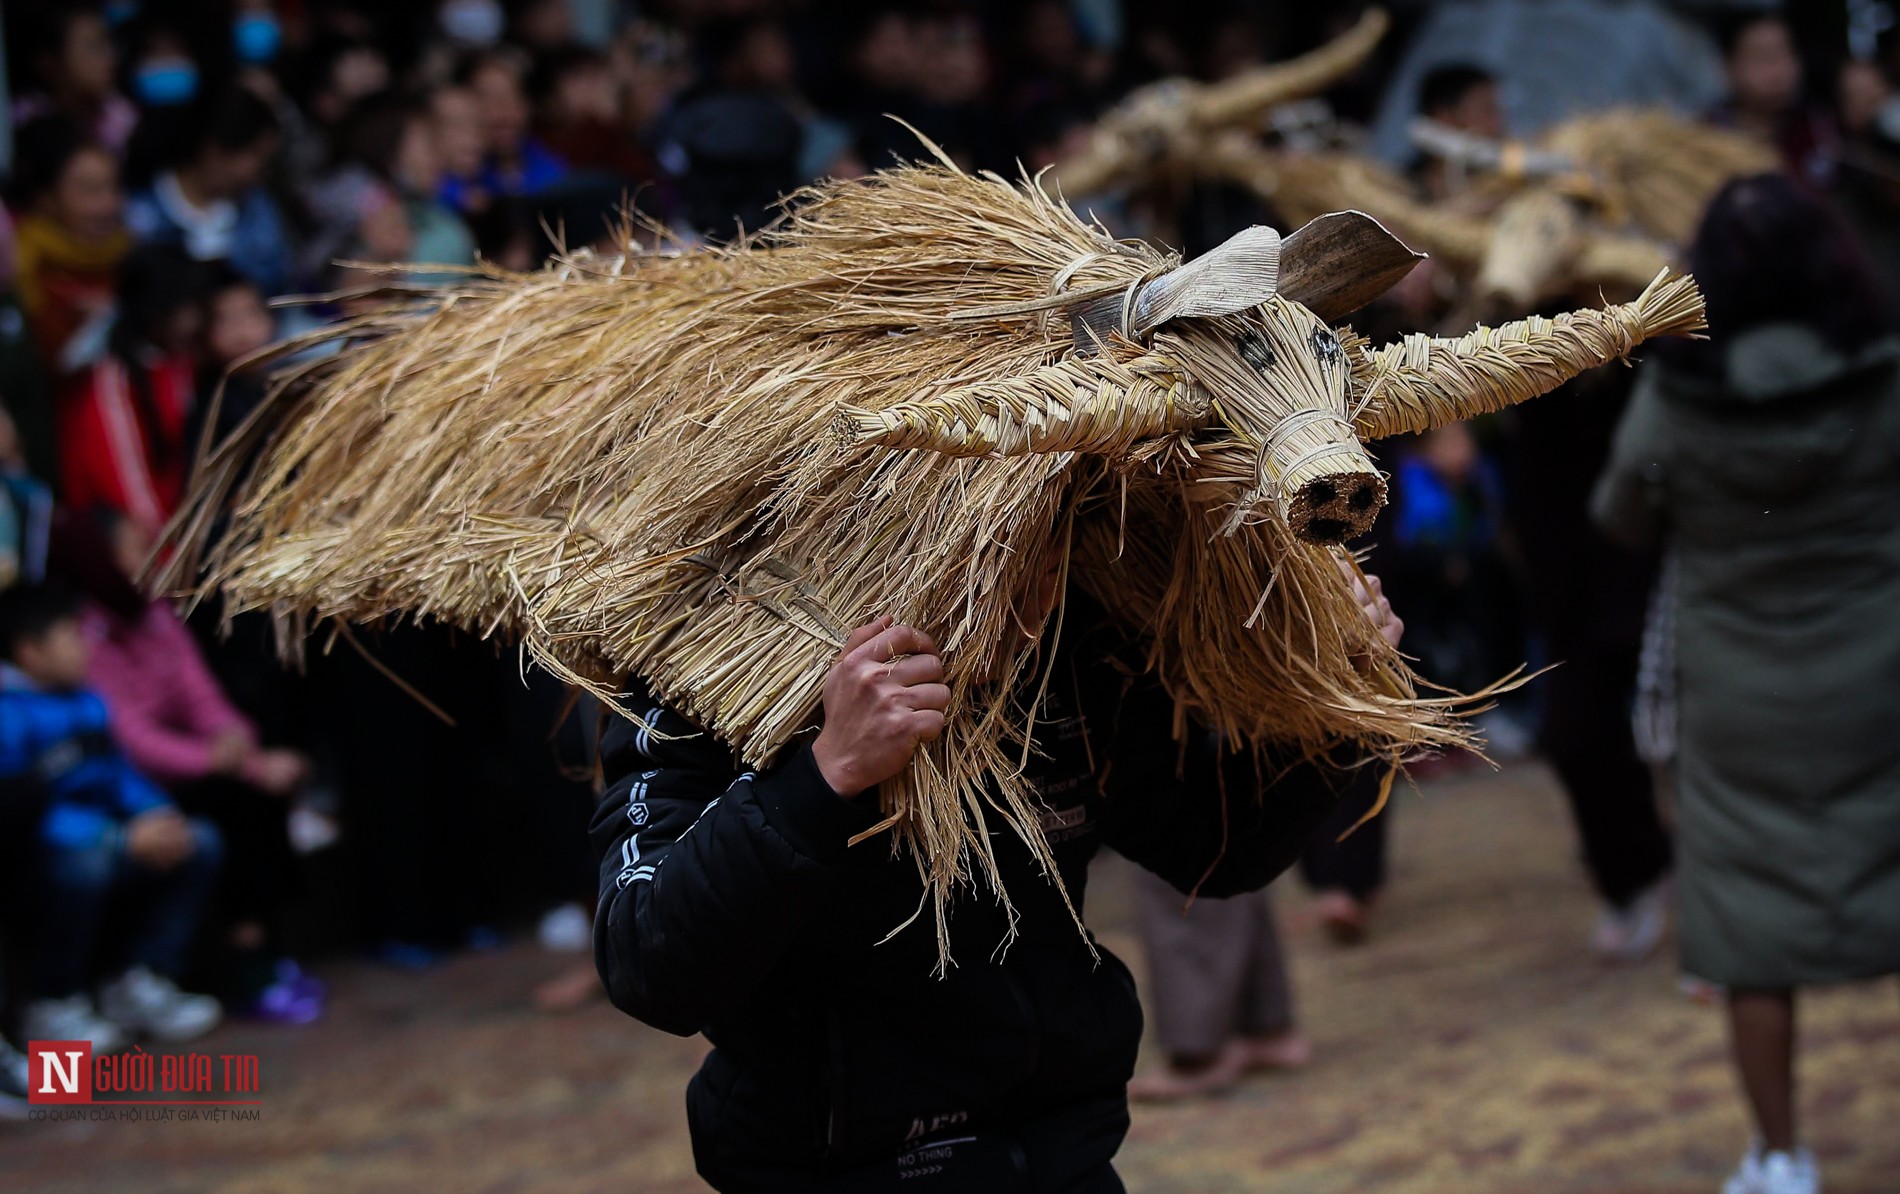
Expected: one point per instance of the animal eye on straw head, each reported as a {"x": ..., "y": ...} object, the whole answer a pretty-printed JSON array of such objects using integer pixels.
[
  {"x": 1325, "y": 346},
  {"x": 1255, "y": 350}
]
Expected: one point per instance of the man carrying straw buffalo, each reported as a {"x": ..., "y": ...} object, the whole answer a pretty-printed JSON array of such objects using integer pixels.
[
  {"x": 946, "y": 398},
  {"x": 734, "y": 903}
]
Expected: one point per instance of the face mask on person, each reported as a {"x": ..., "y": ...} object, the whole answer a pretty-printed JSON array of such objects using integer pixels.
[
  {"x": 473, "y": 22},
  {"x": 256, "y": 36},
  {"x": 166, "y": 82}
]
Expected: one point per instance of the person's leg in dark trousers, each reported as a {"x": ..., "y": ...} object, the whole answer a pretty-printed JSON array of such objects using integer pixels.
[
  {"x": 76, "y": 884},
  {"x": 551, "y": 756},
  {"x": 167, "y": 908},
  {"x": 1588, "y": 600},
  {"x": 1265, "y": 1019},
  {"x": 1343, "y": 858},
  {"x": 407, "y": 788},
  {"x": 1197, "y": 963},
  {"x": 166, "y": 911},
  {"x": 258, "y": 882},
  {"x": 551, "y": 763},
  {"x": 1221, "y": 1000},
  {"x": 1588, "y": 740},
  {"x": 170, "y": 905},
  {"x": 1345, "y": 866}
]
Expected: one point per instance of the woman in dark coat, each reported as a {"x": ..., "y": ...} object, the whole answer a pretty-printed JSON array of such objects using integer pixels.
[{"x": 1768, "y": 459}]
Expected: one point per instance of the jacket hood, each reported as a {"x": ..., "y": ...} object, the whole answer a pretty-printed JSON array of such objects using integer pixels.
[
  {"x": 1776, "y": 428},
  {"x": 1787, "y": 360}
]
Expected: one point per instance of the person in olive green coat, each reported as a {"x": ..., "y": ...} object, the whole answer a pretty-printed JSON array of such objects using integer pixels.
[{"x": 1767, "y": 460}]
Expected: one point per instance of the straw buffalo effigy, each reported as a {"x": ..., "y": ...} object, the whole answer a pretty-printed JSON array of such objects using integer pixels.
[
  {"x": 1172, "y": 133},
  {"x": 909, "y": 398},
  {"x": 1598, "y": 202}
]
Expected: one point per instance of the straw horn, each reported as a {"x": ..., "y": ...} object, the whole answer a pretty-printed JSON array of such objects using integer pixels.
[
  {"x": 1093, "y": 405},
  {"x": 1166, "y": 119},
  {"x": 1243, "y": 98},
  {"x": 1422, "y": 382},
  {"x": 1100, "y": 164}
]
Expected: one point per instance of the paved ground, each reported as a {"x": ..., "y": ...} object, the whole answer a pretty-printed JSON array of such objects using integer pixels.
[{"x": 1468, "y": 1048}]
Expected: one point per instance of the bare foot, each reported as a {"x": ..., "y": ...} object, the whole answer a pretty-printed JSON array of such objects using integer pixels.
[
  {"x": 569, "y": 990},
  {"x": 1342, "y": 916},
  {"x": 1175, "y": 1082},
  {"x": 1286, "y": 1050}
]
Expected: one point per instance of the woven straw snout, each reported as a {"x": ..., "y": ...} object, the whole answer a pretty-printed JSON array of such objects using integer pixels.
[
  {"x": 1327, "y": 490},
  {"x": 1280, "y": 382}
]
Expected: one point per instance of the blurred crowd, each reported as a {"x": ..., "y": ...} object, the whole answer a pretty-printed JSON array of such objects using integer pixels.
[{"x": 175, "y": 168}]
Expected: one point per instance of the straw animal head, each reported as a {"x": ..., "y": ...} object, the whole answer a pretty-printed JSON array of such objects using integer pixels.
[
  {"x": 1281, "y": 383},
  {"x": 1538, "y": 235},
  {"x": 1221, "y": 350}
]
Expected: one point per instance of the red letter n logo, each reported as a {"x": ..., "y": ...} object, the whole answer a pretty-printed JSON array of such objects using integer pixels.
[{"x": 59, "y": 1072}]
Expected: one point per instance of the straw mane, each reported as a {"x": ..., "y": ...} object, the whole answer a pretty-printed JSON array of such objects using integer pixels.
[{"x": 635, "y": 466}]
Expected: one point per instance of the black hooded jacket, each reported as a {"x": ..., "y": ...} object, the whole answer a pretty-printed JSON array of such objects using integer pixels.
[{"x": 732, "y": 905}]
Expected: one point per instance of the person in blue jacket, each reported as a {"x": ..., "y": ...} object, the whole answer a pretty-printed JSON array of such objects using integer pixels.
[
  {"x": 209, "y": 198},
  {"x": 106, "y": 828}
]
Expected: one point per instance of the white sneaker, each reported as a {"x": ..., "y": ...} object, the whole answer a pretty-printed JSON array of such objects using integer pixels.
[
  {"x": 70, "y": 1019},
  {"x": 566, "y": 930},
  {"x": 140, "y": 1001},
  {"x": 1774, "y": 1173},
  {"x": 1789, "y": 1173},
  {"x": 311, "y": 829},
  {"x": 1747, "y": 1176},
  {"x": 1625, "y": 936}
]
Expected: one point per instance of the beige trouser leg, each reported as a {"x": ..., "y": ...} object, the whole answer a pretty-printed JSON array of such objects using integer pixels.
[{"x": 1214, "y": 971}]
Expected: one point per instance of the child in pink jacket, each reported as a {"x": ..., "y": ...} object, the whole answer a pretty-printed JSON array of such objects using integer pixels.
[{"x": 173, "y": 720}]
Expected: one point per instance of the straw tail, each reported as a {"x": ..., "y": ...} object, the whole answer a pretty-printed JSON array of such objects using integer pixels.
[
  {"x": 1090, "y": 404},
  {"x": 1423, "y": 382}
]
